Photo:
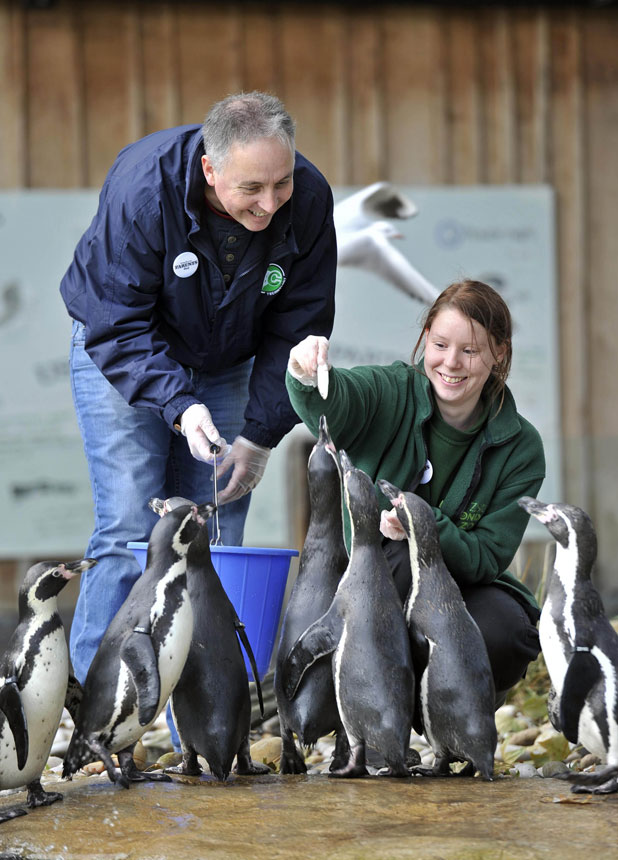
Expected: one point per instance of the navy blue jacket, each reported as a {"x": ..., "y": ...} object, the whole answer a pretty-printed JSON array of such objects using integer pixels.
[{"x": 144, "y": 323}]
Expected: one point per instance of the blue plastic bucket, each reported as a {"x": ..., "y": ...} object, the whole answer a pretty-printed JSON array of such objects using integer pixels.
[{"x": 254, "y": 579}]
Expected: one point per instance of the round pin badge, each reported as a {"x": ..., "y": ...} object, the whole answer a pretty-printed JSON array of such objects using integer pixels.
[
  {"x": 185, "y": 264},
  {"x": 427, "y": 473}
]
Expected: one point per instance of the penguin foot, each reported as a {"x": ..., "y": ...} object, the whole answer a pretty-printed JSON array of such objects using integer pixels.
[
  {"x": 250, "y": 768},
  {"x": 349, "y": 772},
  {"x": 12, "y": 812},
  {"x": 355, "y": 767},
  {"x": 338, "y": 763},
  {"x": 609, "y": 787},
  {"x": 185, "y": 769},
  {"x": 129, "y": 770},
  {"x": 293, "y": 763},
  {"x": 421, "y": 770},
  {"x": 37, "y": 796},
  {"x": 189, "y": 765},
  {"x": 395, "y": 771},
  {"x": 135, "y": 775}
]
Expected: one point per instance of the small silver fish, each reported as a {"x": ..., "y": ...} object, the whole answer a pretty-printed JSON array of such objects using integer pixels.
[{"x": 323, "y": 380}]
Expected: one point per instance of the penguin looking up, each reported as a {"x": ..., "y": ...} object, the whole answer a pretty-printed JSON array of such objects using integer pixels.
[
  {"x": 211, "y": 703},
  {"x": 34, "y": 672},
  {"x": 313, "y": 711},
  {"x": 141, "y": 655},
  {"x": 365, "y": 631},
  {"x": 580, "y": 646},
  {"x": 456, "y": 685}
]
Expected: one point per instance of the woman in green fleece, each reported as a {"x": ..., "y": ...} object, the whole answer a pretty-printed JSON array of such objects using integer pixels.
[{"x": 447, "y": 427}]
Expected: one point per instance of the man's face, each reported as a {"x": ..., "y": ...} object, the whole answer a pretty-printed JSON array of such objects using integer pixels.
[{"x": 256, "y": 179}]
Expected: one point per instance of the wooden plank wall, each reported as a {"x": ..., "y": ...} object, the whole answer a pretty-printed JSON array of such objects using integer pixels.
[{"x": 418, "y": 94}]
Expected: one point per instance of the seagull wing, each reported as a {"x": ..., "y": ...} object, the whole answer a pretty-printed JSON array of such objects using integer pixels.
[
  {"x": 369, "y": 249},
  {"x": 380, "y": 200}
]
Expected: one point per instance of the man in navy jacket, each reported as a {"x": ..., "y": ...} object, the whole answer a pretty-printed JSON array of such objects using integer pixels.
[{"x": 212, "y": 253}]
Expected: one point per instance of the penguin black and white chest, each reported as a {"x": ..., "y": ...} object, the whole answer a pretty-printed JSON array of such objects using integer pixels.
[
  {"x": 142, "y": 653},
  {"x": 365, "y": 631},
  {"x": 34, "y": 672},
  {"x": 580, "y": 646},
  {"x": 456, "y": 686},
  {"x": 313, "y": 711},
  {"x": 211, "y": 703}
]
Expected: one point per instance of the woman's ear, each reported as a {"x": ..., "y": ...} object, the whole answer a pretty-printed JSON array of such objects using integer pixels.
[{"x": 499, "y": 357}]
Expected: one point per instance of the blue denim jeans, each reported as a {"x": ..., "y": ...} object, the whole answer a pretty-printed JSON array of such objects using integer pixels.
[{"x": 133, "y": 455}]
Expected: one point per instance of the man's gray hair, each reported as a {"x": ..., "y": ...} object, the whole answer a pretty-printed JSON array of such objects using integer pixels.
[{"x": 243, "y": 118}]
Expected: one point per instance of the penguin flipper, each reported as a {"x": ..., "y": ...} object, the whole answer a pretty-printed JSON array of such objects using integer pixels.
[
  {"x": 73, "y": 698},
  {"x": 583, "y": 673},
  {"x": 138, "y": 654},
  {"x": 242, "y": 635},
  {"x": 12, "y": 708},
  {"x": 318, "y": 640}
]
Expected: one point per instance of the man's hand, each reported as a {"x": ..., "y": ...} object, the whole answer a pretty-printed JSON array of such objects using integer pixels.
[
  {"x": 197, "y": 425},
  {"x": 249, "y": 461}
]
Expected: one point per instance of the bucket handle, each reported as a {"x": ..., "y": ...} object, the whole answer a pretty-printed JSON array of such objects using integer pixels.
[{"x": 216, "y": 540}]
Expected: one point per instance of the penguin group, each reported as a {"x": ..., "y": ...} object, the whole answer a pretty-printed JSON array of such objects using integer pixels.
[
  {"x": 352, "y": 660},
  {"x": 391, "y": 667},
  {"x": 175, "y": 636}
]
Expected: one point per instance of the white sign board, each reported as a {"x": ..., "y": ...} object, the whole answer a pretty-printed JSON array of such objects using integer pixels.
[{"x": 501, "y": 235}]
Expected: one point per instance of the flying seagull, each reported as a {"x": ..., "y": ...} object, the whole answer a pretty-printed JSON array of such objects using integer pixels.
[{"x": 363, "y": 238}]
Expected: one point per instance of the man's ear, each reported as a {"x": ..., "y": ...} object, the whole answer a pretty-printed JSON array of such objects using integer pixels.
[{"x": 208, "y": 170}]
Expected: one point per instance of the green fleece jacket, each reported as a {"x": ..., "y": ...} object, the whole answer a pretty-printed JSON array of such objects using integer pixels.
[{"x": 379, "y": 415}]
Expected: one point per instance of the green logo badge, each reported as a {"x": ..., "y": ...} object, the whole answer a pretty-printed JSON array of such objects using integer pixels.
[{"x": 274, "y": 279}]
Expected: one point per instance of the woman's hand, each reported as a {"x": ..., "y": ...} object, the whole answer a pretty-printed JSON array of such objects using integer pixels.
[
  {"x": 390, "y": 525},
  {"x": 305, "y": 358}
]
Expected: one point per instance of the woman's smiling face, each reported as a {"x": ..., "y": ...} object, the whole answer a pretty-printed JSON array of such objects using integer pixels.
[{"x": 458, "y": 361}]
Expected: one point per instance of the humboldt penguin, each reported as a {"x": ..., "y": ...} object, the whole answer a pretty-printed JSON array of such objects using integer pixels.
[
  {"x": 365, "y": 631},
  {"x": 211, "y": 703},
  {"x": 313, "y": 711},
  {"x": 456, "y": 688},
  {"x": 141, "y": 655},
  {"x": 34, "y": 673},
  {"x": 580, "y": 646}
]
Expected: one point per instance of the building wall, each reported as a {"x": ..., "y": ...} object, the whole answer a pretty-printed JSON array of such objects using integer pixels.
[{"x": 414, "y": 93}]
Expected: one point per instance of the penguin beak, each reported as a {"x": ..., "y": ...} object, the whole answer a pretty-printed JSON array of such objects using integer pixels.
[
  {"x": 390, "y": 490},
  {"x": 346, "y": 463},
  {"x": 204, "y": 512},
  {"x": 158, "y": 506},
  {"x": 539, "y": 510},
  {"x": 74, "y": 568}
]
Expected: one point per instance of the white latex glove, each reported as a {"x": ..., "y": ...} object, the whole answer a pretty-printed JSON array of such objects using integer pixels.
[
  {"x": 197, "y": 425},
  {"x": 249, "y": 461},
  {"x": 305, "y": 358},
  {"x": 390, "y": 525}
]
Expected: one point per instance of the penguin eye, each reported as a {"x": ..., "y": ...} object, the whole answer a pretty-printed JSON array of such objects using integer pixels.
[{"x": 56, "y": 573}]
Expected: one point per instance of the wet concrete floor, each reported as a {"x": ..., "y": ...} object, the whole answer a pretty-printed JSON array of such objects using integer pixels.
[{"x": 314, "y": 817}]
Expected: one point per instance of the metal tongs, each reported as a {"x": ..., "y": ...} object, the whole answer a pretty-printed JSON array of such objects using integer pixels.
[{"x": 216, "y": 541}]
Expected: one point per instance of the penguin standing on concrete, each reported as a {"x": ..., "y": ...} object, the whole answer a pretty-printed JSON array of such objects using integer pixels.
[
  {"x": 211, "y": 703},
  {"x": 365, "y": 631},
  {"x": 141, "y": 655},
  {"x": 579, "y": 644},
  {"x": 313, "y": 711},
  {"x": 456, "y": 685},
  {"x": 34, "y": 672}
]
